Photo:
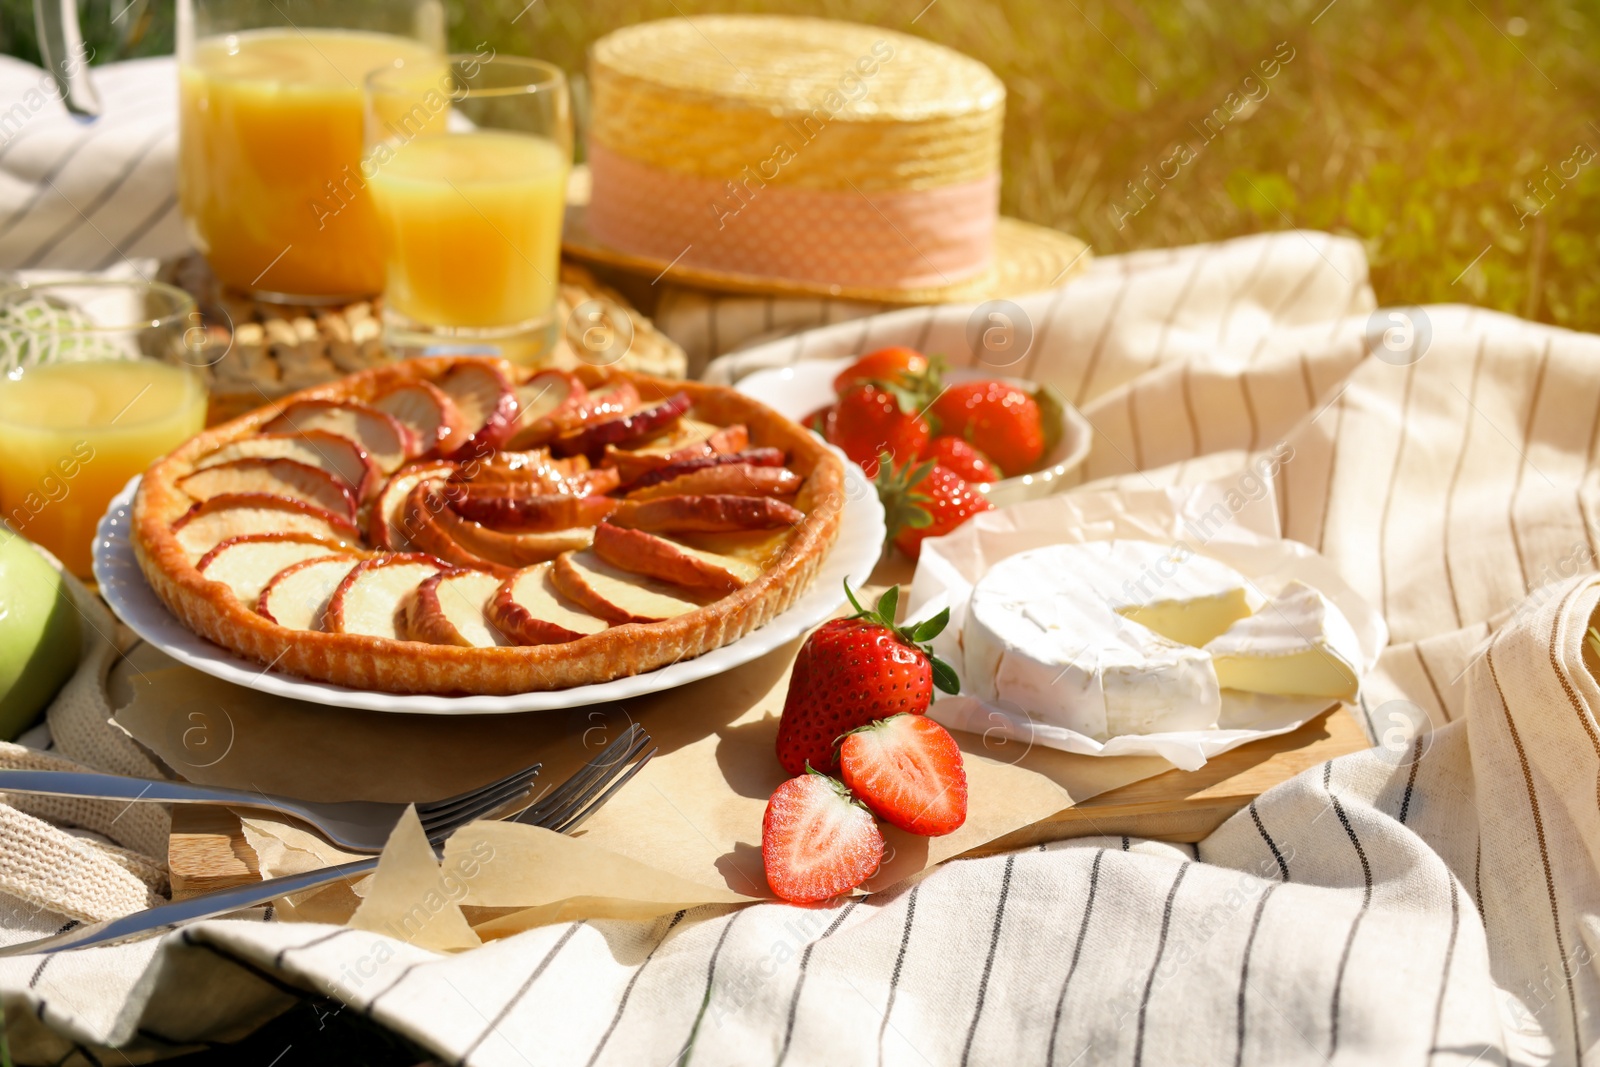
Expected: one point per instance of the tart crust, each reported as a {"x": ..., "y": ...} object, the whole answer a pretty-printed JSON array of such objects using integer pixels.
[{"x": 362, "y": 662}]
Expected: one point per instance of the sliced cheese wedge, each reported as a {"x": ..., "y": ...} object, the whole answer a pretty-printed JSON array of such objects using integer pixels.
[{"x": 1299, "y": 644}]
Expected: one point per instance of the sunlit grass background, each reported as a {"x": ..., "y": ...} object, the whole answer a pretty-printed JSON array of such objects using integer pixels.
[{"x": 1416, "y": 128}]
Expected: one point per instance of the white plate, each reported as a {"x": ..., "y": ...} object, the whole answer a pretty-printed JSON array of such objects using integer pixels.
[
  {"x": 124, "y": 587},
  {"x": 798, "y": 389}
]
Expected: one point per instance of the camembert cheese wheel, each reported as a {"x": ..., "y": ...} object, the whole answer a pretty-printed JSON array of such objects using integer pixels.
[{"x": 1103, "y": 637}]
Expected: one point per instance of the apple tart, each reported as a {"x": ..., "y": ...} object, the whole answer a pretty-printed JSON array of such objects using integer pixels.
[{"x": 458, "y": 525}]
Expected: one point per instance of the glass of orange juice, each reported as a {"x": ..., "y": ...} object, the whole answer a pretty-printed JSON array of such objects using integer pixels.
[
  {"x": 270, "y": 137},
  {"x": 97, "y": 379},
  {"x": 468, "y": 161}
]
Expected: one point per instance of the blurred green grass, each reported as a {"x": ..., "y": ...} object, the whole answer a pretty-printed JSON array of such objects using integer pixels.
[
  {"x": 1413, "y": 127},
  {"x": 1459, "y": 140}
]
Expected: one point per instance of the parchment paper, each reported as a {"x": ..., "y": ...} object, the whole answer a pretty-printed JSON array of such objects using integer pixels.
[{"x": 686, "y": 831}]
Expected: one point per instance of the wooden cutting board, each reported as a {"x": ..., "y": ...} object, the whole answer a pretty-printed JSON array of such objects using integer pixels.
[{"x": 208, "y": 851}]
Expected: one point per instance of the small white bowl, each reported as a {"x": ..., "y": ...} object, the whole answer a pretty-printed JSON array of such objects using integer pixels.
[{"x": 797, "y": 390}]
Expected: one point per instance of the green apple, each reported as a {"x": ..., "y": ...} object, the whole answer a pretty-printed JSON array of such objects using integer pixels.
[{"x": 39, "y": 637}]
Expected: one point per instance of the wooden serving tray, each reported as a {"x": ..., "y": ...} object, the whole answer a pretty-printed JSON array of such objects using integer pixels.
[{"x": 208, "y": 851}]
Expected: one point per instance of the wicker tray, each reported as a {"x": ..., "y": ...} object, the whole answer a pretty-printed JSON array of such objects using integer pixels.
[{"x": 255, "y": 352}]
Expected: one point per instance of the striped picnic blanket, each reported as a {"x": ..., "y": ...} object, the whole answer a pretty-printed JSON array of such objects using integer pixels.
[{"x": 1432, "y": 900}]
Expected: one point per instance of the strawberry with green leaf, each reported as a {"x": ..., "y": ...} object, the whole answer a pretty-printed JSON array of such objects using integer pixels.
[
  {"x": 855, "y": 670},
  {"x": 925, "y": 500},
  {"x": 894, "y": 365},
  {"x": 872, "y": 419}
]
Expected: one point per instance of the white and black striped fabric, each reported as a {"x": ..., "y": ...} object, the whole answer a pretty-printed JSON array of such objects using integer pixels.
[
  {"x": 89, "y": 195},
  {"x": 1432, "y": 901}
]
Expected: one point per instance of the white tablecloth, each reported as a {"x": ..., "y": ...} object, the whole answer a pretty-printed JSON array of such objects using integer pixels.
[{"x": 1433, "y": 900}]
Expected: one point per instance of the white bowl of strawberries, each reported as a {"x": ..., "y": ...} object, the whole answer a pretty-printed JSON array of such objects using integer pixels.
[{"x": 958, "y": 441}]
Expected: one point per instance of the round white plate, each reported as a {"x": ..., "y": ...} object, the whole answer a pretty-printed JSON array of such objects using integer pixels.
[
  {"x": 798, "y": 389},
  {"x": 124, "y": 587}
]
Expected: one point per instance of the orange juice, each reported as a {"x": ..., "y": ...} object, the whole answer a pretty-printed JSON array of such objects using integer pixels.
[
  {"x": 471, "y": 226},
  {"x": 270, "y": 140},
  {"x": 72, "y": 434}
]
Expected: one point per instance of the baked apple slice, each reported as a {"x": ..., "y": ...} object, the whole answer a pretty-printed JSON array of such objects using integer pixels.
[
  {"x": 434, "y": 527},
  {"x": 529, "y": 609},
  {"x": 488, "y": 404},
  {"x": 606, "y": 402},
  {"x": 279, "y": 476},
  {"x": 211, "y": 522},
  {"x": 615, "y": 594},
  {"x": 298, "y": 596},
  {"x": 705, "y": 513},
  {"x": 592, "y": 438},
  {"x": 246, "y": 564},
  {"x": 692, "y": 439},
  {"x": 451, "y": 608},
  {"x": 658, "y": 557},
  {"x": 530, "y": 472},
  {"x": 755, "y": 457},
  {"x": 423, "y": 408},
  {"x": 380, "y": 435},
  {"x": 337, "y": 455},
  {"x": 372, "y": 598},
  {"x": 535, "y": 512},
  {"x": 386, "y": 522},
  {"x": 733, "y": 479},
  {"x": 544, "y": 400}
]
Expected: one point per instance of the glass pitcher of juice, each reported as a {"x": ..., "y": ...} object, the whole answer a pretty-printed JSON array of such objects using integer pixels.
[
  {"x": 97, "y": 379},
  {"x": 270, "y": 137}
]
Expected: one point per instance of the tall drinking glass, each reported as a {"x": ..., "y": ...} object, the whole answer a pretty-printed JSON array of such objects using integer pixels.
[
  {"x": 99, "y": 379},
  {"x": 270, "y": 137},
  {"x": 467, "y": 163}
]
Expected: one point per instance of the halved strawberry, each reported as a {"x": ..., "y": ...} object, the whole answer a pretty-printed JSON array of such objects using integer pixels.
[
  {"x": 816, "y": 842},
  {"x": 907, "y": 769}
]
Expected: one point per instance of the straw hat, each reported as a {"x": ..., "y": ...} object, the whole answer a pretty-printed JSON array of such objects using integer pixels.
[{"x": 798, "y": 156}]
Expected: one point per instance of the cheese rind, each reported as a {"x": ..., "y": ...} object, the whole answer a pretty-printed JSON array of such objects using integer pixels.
[
  {"x": 1299, "y": 644},
  {"x": 1060, "y": 633}
]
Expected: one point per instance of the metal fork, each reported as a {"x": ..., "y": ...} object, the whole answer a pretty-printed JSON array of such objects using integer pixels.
[
  {"x": 562, "y": 810},
  {"x": 355, "y": 826}
]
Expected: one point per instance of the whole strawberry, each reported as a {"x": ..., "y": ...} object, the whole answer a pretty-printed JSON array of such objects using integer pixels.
[
  {"x": 816, "y": 840},
  {"x": 853, "y": 671},
  {"x": 870, "y": 420},
  {"x": 1002, "y": 420},
  {"x": 925, "y": 500},
  {"x": 896, "y": 364},
  {"x": 952, "y": 453}
]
